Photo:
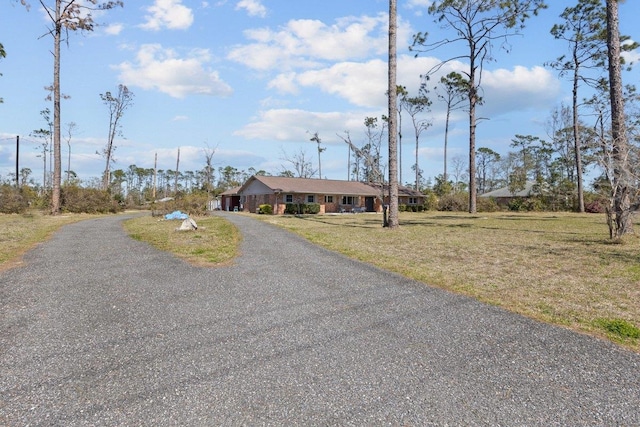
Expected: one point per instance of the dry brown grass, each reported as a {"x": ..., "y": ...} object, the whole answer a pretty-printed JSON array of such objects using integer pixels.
[{"x": 556, "y": 267}]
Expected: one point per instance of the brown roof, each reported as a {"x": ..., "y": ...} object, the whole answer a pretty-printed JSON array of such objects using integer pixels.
[
  {"x": 504, "y": 192},
  {"x": 313, "y": 186},
  {"x": 402, "y": 190},
  {"x": 231, "y": 192}
]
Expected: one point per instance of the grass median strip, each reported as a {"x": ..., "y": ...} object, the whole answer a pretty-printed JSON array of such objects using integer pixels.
[{"x": 214, "y": 243}]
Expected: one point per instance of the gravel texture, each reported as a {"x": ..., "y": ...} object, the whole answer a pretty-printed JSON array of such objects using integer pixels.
[{"x": 97, "y": 329}]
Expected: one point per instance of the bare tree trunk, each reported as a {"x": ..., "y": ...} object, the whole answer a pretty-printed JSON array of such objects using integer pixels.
[
  {"x": 621, "y": 174},
  {"x": 473, "y": 97},
  {"x": 117, "y": 106},
  {"x": 576, "y": 139},
  {"x": 44, "y": 170},
  {"x": 57, "y": 162},
  {"x": 399, "y": 146},
  {"x": 417, "y": 167},
  {"x": 69, "y": 161},
  {"x": 349, "y": 165},
  {"x": 446, "y": 143},
  {"x": 393, "y": 221}
]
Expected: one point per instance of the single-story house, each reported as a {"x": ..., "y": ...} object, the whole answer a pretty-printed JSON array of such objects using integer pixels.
[
  {"x": 333, "y": 196},
  {"x": 503, "y": 196},
  {"x": 230, "y": 200},
  {"x": 406, "y": 195}
]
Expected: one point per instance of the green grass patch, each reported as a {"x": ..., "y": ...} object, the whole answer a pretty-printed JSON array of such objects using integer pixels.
[
  {"x": 634, "y": 272},
  {"x": 619, "y": 328},
  {"x": 214, "y": 243}
]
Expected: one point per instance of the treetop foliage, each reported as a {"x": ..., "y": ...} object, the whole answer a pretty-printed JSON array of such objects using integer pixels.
[
  {"x": 74, "y": 14},
  {"x": 478, "y": 20}
]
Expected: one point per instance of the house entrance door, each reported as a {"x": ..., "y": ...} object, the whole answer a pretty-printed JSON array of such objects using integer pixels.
[{"x": 368, "y": 202}]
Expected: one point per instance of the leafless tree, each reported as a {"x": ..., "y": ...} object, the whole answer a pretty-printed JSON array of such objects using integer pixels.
[
  {"x": 117, "y": 105},
  {"x": 301, "y": 164},
  {"x": 451, "y": 90},
  {"x": 416, "y": 106},
  {"x": 65, "y": 16},
  {"x": 71, "y": 128},
  {"x": 460, "y": 172},
  {"x": 208, "y": 169}
]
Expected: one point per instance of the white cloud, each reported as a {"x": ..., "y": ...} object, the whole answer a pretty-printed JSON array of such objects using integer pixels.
[
  {"x": 360, "y": 83},
  {"x": 253, "y": 7},
  {"x": 631, "y": 57},
  {"x": 114, "y": 29},
  {"x": 285, "y": 83},
  {"x": 305, "y": 43},
  {"x": 420, "y": 6},
  {"x": 170, "y": 14},
  {"x": 519, "y": 89},
  {"x": 294, "y": 125},
  {"x": 157, "y": 68},
  {"x": 365, "y": 84},
  {"x": 419, "y": 3}
]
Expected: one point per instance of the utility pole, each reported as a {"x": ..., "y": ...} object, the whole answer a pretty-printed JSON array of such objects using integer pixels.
[
  {"x": 155, "y": 175},
  {"x": 175, "y": 185},
  {"x": 17, "y": 157}
]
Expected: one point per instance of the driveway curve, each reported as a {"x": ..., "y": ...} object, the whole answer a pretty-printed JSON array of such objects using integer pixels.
[{"x": 100, "y": 330}]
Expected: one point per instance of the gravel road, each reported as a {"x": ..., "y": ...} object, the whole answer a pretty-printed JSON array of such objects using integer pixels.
[{"x": 97, "y": 329}]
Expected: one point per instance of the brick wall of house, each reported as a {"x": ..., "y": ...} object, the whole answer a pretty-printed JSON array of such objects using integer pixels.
[{"x": 251, "y": 203}]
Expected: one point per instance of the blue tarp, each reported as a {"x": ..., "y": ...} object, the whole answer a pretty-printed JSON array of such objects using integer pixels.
[{"x": 176, "y": 215}]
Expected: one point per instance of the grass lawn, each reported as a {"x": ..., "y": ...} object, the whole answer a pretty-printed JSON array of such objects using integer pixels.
[{"x": 560, "y": 268}]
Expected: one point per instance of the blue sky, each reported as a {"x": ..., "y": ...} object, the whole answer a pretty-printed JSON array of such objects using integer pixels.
[{"x": 254, "y": 79}]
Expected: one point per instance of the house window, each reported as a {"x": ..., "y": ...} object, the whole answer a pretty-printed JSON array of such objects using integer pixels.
[
  {"x": 328, "y": 199},
  {"x": 413, "y": 200},
  {"x": 288, "y": 198},
  {"x": 348, "y": 200},
  {"x": 311, "y": 198}
]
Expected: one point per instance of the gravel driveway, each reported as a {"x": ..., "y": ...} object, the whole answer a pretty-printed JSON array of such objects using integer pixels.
[{"x": 97, "y": 329}]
